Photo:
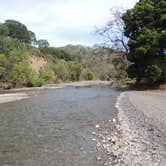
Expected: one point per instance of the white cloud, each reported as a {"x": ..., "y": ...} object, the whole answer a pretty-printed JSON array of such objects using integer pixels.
[{"x": 61, "y": 21}]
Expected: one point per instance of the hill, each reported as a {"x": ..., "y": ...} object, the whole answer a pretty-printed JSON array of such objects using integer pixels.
[{"x": 26, "y": 61}]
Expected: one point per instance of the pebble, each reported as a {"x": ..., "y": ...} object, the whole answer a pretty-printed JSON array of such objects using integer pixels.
[
  {"x": 97, "y": 126},
  {"x": 94, "y": 139},
  {"x": 103, "y": 141},
  {"x": 98, "y": 158},
  {"x": 93, "y": 133},
  {"x": 109, "y": 139},
  {"x": 98, "y": 144},
  {"x": 114, "y": 120}
]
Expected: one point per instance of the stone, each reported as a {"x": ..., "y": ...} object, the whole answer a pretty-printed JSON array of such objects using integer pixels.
[{"x": 97, "y": 126}]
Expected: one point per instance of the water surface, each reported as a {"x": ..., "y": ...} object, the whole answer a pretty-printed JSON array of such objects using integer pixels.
[{"x": 55, "y": 127}]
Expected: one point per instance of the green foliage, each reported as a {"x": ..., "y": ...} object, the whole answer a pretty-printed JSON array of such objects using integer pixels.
[
  {"x": 18, "y": 31},
  {"x": 4, "y": 31},
  {"x": 145, "y": 27},
  {"x": 87, "y": 75},
  {"x": 74, "y": 71},
  {"x": 60, "y": 53},
  {"x": 61, "y": 70},
  {"x": 46, "y": 73},
  {"x": 70, "y": 63},
  {"x": 34, "y": 80},
  {"x": 153, "y": 74},
  {"x": 2, "y": 72},
  {"x": 20, "y": 73},
  {"x": 42, "y": 43}
]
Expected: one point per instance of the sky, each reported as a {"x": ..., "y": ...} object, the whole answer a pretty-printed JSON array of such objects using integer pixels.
[{"x": 62, "y": 22}]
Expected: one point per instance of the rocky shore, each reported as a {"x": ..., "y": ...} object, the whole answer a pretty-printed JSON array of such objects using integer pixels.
[
  {"x": 5, "y": 98},
  {"x": 137, "y": 136}
]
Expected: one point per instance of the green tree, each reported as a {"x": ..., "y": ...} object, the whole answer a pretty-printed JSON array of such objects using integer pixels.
[
  {"x": 43, "y": 43},
  {"x": 4, "y": 31},
  {"x": 145, "y": 26},
  {"x": 18, "y": 31}
]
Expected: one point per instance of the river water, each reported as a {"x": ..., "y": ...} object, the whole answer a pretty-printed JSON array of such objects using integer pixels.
[{"x": 54, "y": 127}]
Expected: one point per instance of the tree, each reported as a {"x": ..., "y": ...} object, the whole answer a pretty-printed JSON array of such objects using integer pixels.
[
  {"x": 4, "y": 31},
  {"x": 145, "y": 27},
  {"x": 18, "y": 31},
  {"x": 43, "y": 43},
  {"x": 113, "y": 33},
  {"x": 33, "y": 38}
]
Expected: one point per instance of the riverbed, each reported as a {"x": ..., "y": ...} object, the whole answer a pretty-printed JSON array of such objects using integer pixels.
[{"x": 55, "y": 127}]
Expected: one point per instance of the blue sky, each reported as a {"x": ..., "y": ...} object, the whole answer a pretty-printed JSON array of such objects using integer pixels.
[{"x": 62, "y": 22}]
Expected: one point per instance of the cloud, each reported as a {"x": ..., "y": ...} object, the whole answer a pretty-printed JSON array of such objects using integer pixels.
[{"x": 62, "y": 21}]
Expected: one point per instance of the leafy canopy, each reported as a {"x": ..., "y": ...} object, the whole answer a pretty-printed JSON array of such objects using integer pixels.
[{"x": 145, "y": 26}]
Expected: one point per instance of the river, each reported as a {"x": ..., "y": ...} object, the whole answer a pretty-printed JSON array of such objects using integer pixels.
[{"x": 55, "y": 126}]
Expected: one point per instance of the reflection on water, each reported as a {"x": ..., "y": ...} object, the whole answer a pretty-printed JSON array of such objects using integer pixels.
[{"x": 55, "y": 127}]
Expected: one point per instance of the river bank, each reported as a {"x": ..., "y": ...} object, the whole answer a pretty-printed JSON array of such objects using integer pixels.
[
  {"x": 5, "y": 98},
  {"x": 135, "y": 136},
  {"x": 138, "y": 136},
  {"x": 14, "y": 94}
]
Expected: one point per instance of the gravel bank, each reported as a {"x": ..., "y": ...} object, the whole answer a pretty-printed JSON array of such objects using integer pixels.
[
  {"x": 5, "y": 98},
  {"x": 138, "y": 137}
]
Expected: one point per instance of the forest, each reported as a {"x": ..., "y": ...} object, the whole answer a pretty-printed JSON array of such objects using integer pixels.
[{"x": 26, "y": 61}]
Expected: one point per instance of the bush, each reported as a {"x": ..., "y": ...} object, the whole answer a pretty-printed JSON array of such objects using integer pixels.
[
  {"x": 20, "y": 73},
  {"x": 2, "y": 72},
  {"x": 61, "y": 70},
  {"x": 153, "y": 74},
  {"x": 46, "y": 73},
  {"x": 34, "y": 81},
  {"x": 87, "y": 75},
  {"x": 75, "y": 71}
]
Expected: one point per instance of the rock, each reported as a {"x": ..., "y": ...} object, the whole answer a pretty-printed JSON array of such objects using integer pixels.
[
  {"x": 109, "y": 139},
  {"x": 114, "y": 120},
  {"x": 93, "y": 139},
  {"x": 103, "y": 141},
  {"x": 99, "y": 158},
  {"x": 98, "y": 144},
  {"x": 150, "y": 129},
  {"x": 97, "y": 126},
  {"x": 93, "y": 133}
]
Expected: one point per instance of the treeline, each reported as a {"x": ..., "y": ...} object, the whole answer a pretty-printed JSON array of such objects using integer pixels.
[{"x": 19, "y": 46}]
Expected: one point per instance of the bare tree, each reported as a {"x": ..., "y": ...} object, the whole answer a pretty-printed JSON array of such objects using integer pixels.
[{"x": 113, "y": 33}]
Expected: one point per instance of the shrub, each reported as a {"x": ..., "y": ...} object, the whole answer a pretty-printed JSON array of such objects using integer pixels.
[
  {"x": 75, "y": 71},
  {"x": 2, "y": 72},
  {"x": 87, "y": 75},
  {"x": 20, "y": 73},
  {"x": 153, "y": 74},
  {"x": 61, "y": 70},
  {"x": 46, "y": 73},
  {"x": 34, "y": 81}
]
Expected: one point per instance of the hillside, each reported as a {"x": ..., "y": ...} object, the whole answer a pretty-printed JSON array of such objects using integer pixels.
[{"x": 26, "y": 61}]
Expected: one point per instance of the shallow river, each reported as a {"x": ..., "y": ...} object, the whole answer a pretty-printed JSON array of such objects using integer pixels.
[{"x": 54, "y": 127}]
